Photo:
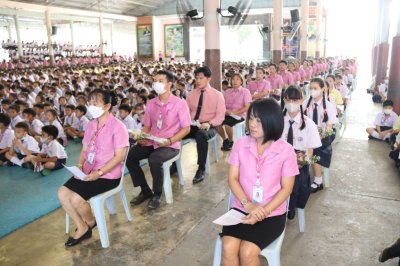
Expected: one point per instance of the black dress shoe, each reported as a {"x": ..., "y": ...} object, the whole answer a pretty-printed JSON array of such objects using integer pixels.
[
  {"x": 390, "y": 252},
  {"x": 143, "y": 196},
  {"x": 155, "y": 202},
  {"x": 198, "y": 177},
  {"x": 72, "y": 241},
  {"x": 317, "y": 187},
  {"x": 291, "y": 214}
]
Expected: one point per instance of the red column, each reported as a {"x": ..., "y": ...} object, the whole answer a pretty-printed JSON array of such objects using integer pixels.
[{"x": 394, "y": 75}]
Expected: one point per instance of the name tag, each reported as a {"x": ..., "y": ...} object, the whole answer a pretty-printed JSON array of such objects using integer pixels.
[
  {"x": 258, "y": 194},
  {"x": 91, "y": 157}
]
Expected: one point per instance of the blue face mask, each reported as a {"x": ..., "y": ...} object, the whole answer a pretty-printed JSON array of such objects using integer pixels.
[{"x": 43, "y": 140}]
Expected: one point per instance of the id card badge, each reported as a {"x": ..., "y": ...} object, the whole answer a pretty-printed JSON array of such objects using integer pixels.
[
  {"x": 258, "y": 193},
  {"x": 159, "y": 122},
  {"x": 91, "y": 157}
]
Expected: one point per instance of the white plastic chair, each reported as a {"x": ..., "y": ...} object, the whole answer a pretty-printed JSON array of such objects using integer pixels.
[
  {"x": 167, "y": 175},
  {"x": 97, "y": 204},
  {"x": 213, "y": 142},
  {"x": 240, "y": 129},
  {"x": 326, "y": 176},
  {"x": 302, "y": 220},
  {"x": 271, "y": 253}
]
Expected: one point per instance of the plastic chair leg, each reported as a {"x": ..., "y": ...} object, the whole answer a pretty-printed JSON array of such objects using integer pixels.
[
  {"x": 180, "y": 174},
  {"x": 302, "y": 220},
  {"x": 125, "y": 204},
  {"x": 110, "y": 203},
  {"x": 274, "y": 259},
  {"x": 217, "y": 252},
  {"x": 167, "y": 184},
  {"x": 98, "y": 209},
  {"x": 66, "y": 223},
  {"x": 327, "y": 177},
  {"x": 215, "y": 150},
  {"x": 208, "y": 167}
]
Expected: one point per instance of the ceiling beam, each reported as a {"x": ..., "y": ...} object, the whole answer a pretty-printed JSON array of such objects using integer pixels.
[{"x": 138, "y": 3}]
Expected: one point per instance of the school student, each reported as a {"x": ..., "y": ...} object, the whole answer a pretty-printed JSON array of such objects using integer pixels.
[
  {"x": 70, "y": 117},
  {"x": 35, "y": 125},
  {"x": 22, "y": 145},
  {"x": 6, "y": 137},
  {"x": 237, "y": 102},
  {"x": 52, "y": 119},
  {"x": 259, "y": 88},
  {"x": 13, "y": 113},
  {"x": 383, "y": 123},
  {"x": 302, "y": 133},
  {"x": 324, "y": 115},
  {"x": 52, "y": 155},
  {"x": 77, "y": 130},
  {"x": 126, "y": 118}
]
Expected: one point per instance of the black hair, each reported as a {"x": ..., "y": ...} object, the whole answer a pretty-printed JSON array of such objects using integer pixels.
[
  {"x": 104, "y": 95},
  {"x": 293, "y": 92},
  {"x": 283, "y": 61},
  {"x": 170, "y": 77},
  {"x": 51, "y": 131},
  {"x": 29, "y": 111},
  {"x": 125, "y": 107},
  {"x": 39, "y": 105},
  {"x": 320, "y": 82},
  {"x": 70, "y": 106},
  {"x": 274, "y": 65},
  {"x": 205, "y": 70},
  {"x": 22, "y": 125},
  {"x": 14, "y": 107},
  {"x": 225, "y": 82},
  {"x": 5, "y": 119},
  {"x": 327, "y": 85},
  {"x": 82, "y": 108},
  {"x": 53, "y": 112},
  {"x": 388, "y": 103},
  {"x": 144, "y": 98},
  {"x": 270, "y": 114}
]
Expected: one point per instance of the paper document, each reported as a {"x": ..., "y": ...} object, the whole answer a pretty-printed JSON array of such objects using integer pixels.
[
  {"x": 76, "y": 172},
  {"x": 236, "y": 117},
  {"x": 232, "y": 217}
]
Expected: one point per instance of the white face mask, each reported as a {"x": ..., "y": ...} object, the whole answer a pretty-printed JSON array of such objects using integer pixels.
[
  {"x": 43, "y": 140},
  {"x": 316, "y": 93},
  {"x": 388, "y": 111},
  {"x": 292, "y": 107},
  {"x": 95, "y": 111},
  {"x": 159, "y": 88}
]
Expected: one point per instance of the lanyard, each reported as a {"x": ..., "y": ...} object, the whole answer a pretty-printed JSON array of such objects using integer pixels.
[
  {"x": 94, "y": 137},
  {"x": 260, "y": 165}
]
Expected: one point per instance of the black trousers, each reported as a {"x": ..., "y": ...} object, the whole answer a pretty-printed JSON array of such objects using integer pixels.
[
  {"x": 201, "y": 136},
  {"x": 156, "y": 158}
]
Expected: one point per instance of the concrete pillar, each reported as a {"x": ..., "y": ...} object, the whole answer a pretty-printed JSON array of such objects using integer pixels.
[
  {"x": 112, "y": 37},
  {"x": 376, "y": 38},
  {"x": 394, "y": 74},
  {"x": 101, "y": 39},
  {"x": 49, "y": 39},
  {"x": 277, "y": 31},
  {"x": 383, "y": 47},
  {"x": 71, "y": 25},
  {"x": 304, "y": 29},
  {"x": 319, "y": 33},
  {"x": 212, "y": 41},
  {"x": 326, "y": 24},
  {"x": 186, "y": 40},
  {"x": 19, "y": 42}
]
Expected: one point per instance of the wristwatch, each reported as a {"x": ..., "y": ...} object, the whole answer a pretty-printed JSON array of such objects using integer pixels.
[
  {"x": 101, "y": 173},
  {"x": 244, "y": 202}
]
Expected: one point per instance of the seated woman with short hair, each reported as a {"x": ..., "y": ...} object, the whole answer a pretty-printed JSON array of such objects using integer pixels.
[
  {"x": 105, "y": 145},
  {"x": 261, "y": 177}
]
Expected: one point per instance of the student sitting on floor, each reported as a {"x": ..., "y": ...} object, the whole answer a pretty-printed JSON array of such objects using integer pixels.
[
  {"x": 23, "y": 145},
  {"x": 395, "y": 154},
  {"x": 52, "y": 156},
  {"x": 70, "y": 117},
  {"x": 13, "y": 113},
  {"x": 396, "y": 130},
  {"x": 6, "y": 137},
  {"x": 39, "y": 109},
  {"x": 51, "y": 117},
  {"x": 35, "y": 125},
  {"x": 77, "y": 130},
  {"x": 383, "y": 122}
]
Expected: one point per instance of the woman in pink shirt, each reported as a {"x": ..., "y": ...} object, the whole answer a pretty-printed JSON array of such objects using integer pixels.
[
  {"x": 105, "y": 144},
  {"x": 237, "y": 102},
  {"x": 261, "y": 177}
]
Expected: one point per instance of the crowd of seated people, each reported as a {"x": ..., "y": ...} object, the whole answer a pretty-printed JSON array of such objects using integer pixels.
[{"x": 43, "y": 109}]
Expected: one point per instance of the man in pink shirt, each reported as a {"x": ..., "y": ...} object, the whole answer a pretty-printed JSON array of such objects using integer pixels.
[
  {"x": 276, "y": 82},
  {"x": 260, "y": 87},
  {"x": 166, "y": 117},
  {"x": 287, "y": 77},
  {"x": 207, "y": 111}
]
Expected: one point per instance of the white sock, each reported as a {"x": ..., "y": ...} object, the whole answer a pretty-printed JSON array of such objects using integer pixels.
[
  {"x": 318, "y": 180},
  {"x": 375, "y": 134}
]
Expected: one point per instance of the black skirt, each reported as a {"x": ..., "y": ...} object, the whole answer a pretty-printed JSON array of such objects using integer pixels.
[
  {"x": 262, "y": 233},
  {"x": 230, "y": 121},
  {"x": 88, "y": 189},
  {"x": 325, "y": 151}
]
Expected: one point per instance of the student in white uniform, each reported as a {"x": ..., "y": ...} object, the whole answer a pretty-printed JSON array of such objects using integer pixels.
[
  {"x": 383, "y": 123},
  {"x": 52, "y": 156},
  {"x": 126, "y": 118},
  {"x": 23, "y": 145},
  {"x": 77, "y": 130},
  {"x": 35, "y": 125},
  {"x": 51, "y": 118},
  {"x": 302, "y": 133},
  {"x": 324, "y": 115},
  {"x": 6, "y": 137},
  {"x": 13, "y": 113},
  {"x": 70, "y": 117}
]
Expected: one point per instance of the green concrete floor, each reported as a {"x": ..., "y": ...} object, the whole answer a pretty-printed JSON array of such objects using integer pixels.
[{"x": 346, "y": 224}]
